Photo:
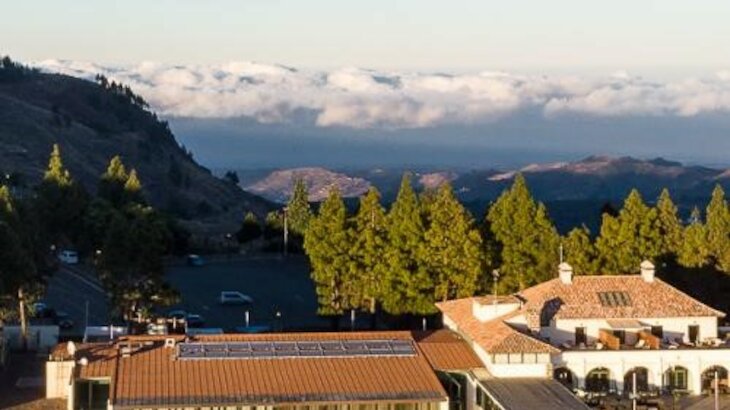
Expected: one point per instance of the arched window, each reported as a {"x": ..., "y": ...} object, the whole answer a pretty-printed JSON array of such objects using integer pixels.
[
  {"x": 598, "y": 380},
  {"x": 642, "y": 380},
  {"x": 675, "y": 378},
  {"x": 708, "y": 379},
  {"x": 564, "y": 376}
]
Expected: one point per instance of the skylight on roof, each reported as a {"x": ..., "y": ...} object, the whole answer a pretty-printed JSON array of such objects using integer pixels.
[{"x": 614, "y": 299}]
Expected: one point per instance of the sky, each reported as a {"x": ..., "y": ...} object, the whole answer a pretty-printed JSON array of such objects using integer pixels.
[
  {"x": 457, "y": 83},
  {"x": 667, "y": 37}
]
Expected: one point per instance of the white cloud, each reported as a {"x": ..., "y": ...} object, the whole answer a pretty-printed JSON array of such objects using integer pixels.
[{"x": 357, "y": 98}]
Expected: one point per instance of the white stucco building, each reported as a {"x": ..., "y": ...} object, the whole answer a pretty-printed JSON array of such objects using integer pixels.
[{"x": 593, "y": 333}]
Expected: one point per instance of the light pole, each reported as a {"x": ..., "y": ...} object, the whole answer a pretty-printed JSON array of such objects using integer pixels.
[{"x": 286, "y": 230}]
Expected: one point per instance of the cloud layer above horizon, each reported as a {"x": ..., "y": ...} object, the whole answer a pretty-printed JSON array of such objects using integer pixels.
[{"x": 364, "y": 99}]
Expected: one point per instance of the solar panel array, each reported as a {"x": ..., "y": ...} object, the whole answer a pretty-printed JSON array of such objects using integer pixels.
[
  {"x": 291, "y": 349},
  {"x": 614, "y": 299}
]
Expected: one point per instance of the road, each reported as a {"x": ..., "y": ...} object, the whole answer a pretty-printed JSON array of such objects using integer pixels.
[{"x": 69, "y": 289}]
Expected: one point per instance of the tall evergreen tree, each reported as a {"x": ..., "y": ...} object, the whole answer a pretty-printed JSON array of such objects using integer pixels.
[
  {"x": 407, "y": 289},
  {"x": 250, "y": 228},
  {"x": 527, "y": 238},
  {"x": 113, "y": 180},
  {"x": 718, "y": 230},
  {"x": 579, "y": 251},
  {"x": 326, "y": 244},
  {"x": 628, "y": 239},
  {"x": 668, "y": 225},
  {"x": 298, "y": 210},
  {"x": 60, "y": 203},
  {"x": 694, "y": 251},
  {"x": 369, "y": 236},
  {"x": 451, "y": 251}
]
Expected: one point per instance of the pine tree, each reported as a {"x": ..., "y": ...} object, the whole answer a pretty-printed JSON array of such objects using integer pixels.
[
  {"x": 298, "y": 210},
  {"x": 407, "y": 289},
  {"x": 56, "y": 173},
  {"x": 250, "y": 228},
  {"x": 628, "y": 239},
  {"x": 327, "y": 244},
  {"x": 133, "y": 188},
  {"x": 668, "y": 225},
  {"x": 694, "y": 251},
  {"x": 527, "y": 238},
  {"x": 369, "y": 236},
  {"x": 451, "y": 251},
  {"x": 113, "y": 180},
  {"x": 579, "y": 251},
  {"x": 718, "y": 229}
]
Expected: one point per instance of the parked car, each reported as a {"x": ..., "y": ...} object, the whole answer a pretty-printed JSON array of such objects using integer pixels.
[
  {"x": 195, "y": 260},
  {"x": 195, "y": 320},
  {"x": 68, "y": 257},
  {"x": 63, "y": 320},
  {"x": 232, "y": 297}
]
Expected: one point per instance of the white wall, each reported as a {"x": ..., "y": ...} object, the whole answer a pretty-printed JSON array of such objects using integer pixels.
[
  {"x": 563, "y": 330},
  {"x": 619, "y": 362},
  {"x": 538, "y": 370},
  {"x": 58, "y": 379},
  {"x": 488, "y": 311}
]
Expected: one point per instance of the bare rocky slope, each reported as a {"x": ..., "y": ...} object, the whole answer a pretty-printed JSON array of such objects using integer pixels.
[
  {"x": 277, "y": 186},
  {"x": 91, "y": 124}
]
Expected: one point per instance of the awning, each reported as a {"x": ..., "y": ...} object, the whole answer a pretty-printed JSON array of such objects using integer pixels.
[{"x": 623, "y": 324}]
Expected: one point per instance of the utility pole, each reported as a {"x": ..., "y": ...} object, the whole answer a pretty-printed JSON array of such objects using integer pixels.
[
  {"x": 717, "y": 390},
  {"x": 23, "y": 319},
  {"x": 286, "y": 231},
  {"x": 633, "y": 378}
]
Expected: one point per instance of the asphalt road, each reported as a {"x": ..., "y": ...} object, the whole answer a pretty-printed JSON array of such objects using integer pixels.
[
  {"x": 68, "y": 290},
  {"x": 276, "y": 285}
]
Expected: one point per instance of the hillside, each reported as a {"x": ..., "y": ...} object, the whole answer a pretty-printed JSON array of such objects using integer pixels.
[
  {"x": 92, "y": 123},
  {"x": 277, "y": 186}
]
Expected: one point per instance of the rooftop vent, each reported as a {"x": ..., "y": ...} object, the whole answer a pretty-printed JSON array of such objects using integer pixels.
[
  {"x": 647, "y": 271},
  {"x": 169, "y": 342}
]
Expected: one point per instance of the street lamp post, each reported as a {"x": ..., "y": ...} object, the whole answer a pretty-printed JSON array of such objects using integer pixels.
[{"x": 286, "y": 230}]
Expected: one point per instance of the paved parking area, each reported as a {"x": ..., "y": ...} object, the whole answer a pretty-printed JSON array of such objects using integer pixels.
[
  {"x": 275, "y": 284},
  {"x": 69, "y": 289}
]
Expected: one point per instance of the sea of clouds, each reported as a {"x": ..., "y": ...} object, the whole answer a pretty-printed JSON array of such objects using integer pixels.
[{"x": 360, "y": 98}]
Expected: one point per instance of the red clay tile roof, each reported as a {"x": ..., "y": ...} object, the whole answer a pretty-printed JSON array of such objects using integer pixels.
[
  {"x": 581, "y": 299},
  {"x": 446, "y": 350},
  {"x": 152, "y": 376},
  {"x": 494, "y": 336}
]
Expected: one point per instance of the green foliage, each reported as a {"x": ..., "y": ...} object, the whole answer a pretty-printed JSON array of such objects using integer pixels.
[
  {"x": 111, "y": 185},
  {"x": 527, "y": 238},
  {"x": 368, "y": 236},
  {"x": 718, "y": 230},
  {"x": 250, "y": 229},
  {"x": 694, "y": 251},
  {"x": 60, "y": 203},
  {"x": 579, "y": 251},
  {"x": 232, "y": 177},
  {"x": 628, "y": 239},
  {"x": 407, "y": 289},
  {"x": 668, "y": 225},
  {"x": 451, "y": 251},
  {"x": 298, "y": 210},
  {"x": 327, "y": 244}
]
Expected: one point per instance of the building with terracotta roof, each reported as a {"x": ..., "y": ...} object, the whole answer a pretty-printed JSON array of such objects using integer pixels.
[
  {"x": 373, "y": 370},
  {"x": 597, "y": 334}
]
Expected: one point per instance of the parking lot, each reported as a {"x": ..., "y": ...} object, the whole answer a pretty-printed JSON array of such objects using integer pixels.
[{"x": 276, "y": 284}]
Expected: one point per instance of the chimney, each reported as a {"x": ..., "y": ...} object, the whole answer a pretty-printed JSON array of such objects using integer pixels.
[
  {"x": 565, "y": 272},
  {"x": 647, "y": 271}
]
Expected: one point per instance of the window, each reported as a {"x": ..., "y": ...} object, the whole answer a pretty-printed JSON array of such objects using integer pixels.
[
  {"x": 598, "y": 380},
  {"x": 694, "y": 333},
  {"x": 657, "y": 331},
  {"x": 613, "y": 299},
  {"x": 677, "y": 378},
  {"x": 621, "y": 335},
  {"x": 580, "y": 336}
]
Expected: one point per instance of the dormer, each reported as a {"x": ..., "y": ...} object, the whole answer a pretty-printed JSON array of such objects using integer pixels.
[{"x": 487, "y": 308}]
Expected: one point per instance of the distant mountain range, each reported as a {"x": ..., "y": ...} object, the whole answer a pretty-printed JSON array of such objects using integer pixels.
[{"x": 573, "y": 191}]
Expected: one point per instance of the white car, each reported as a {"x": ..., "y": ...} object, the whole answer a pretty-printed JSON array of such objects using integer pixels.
[
  {"x": 68, "y": 257},
  {"x": 232, "y": 297}
]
